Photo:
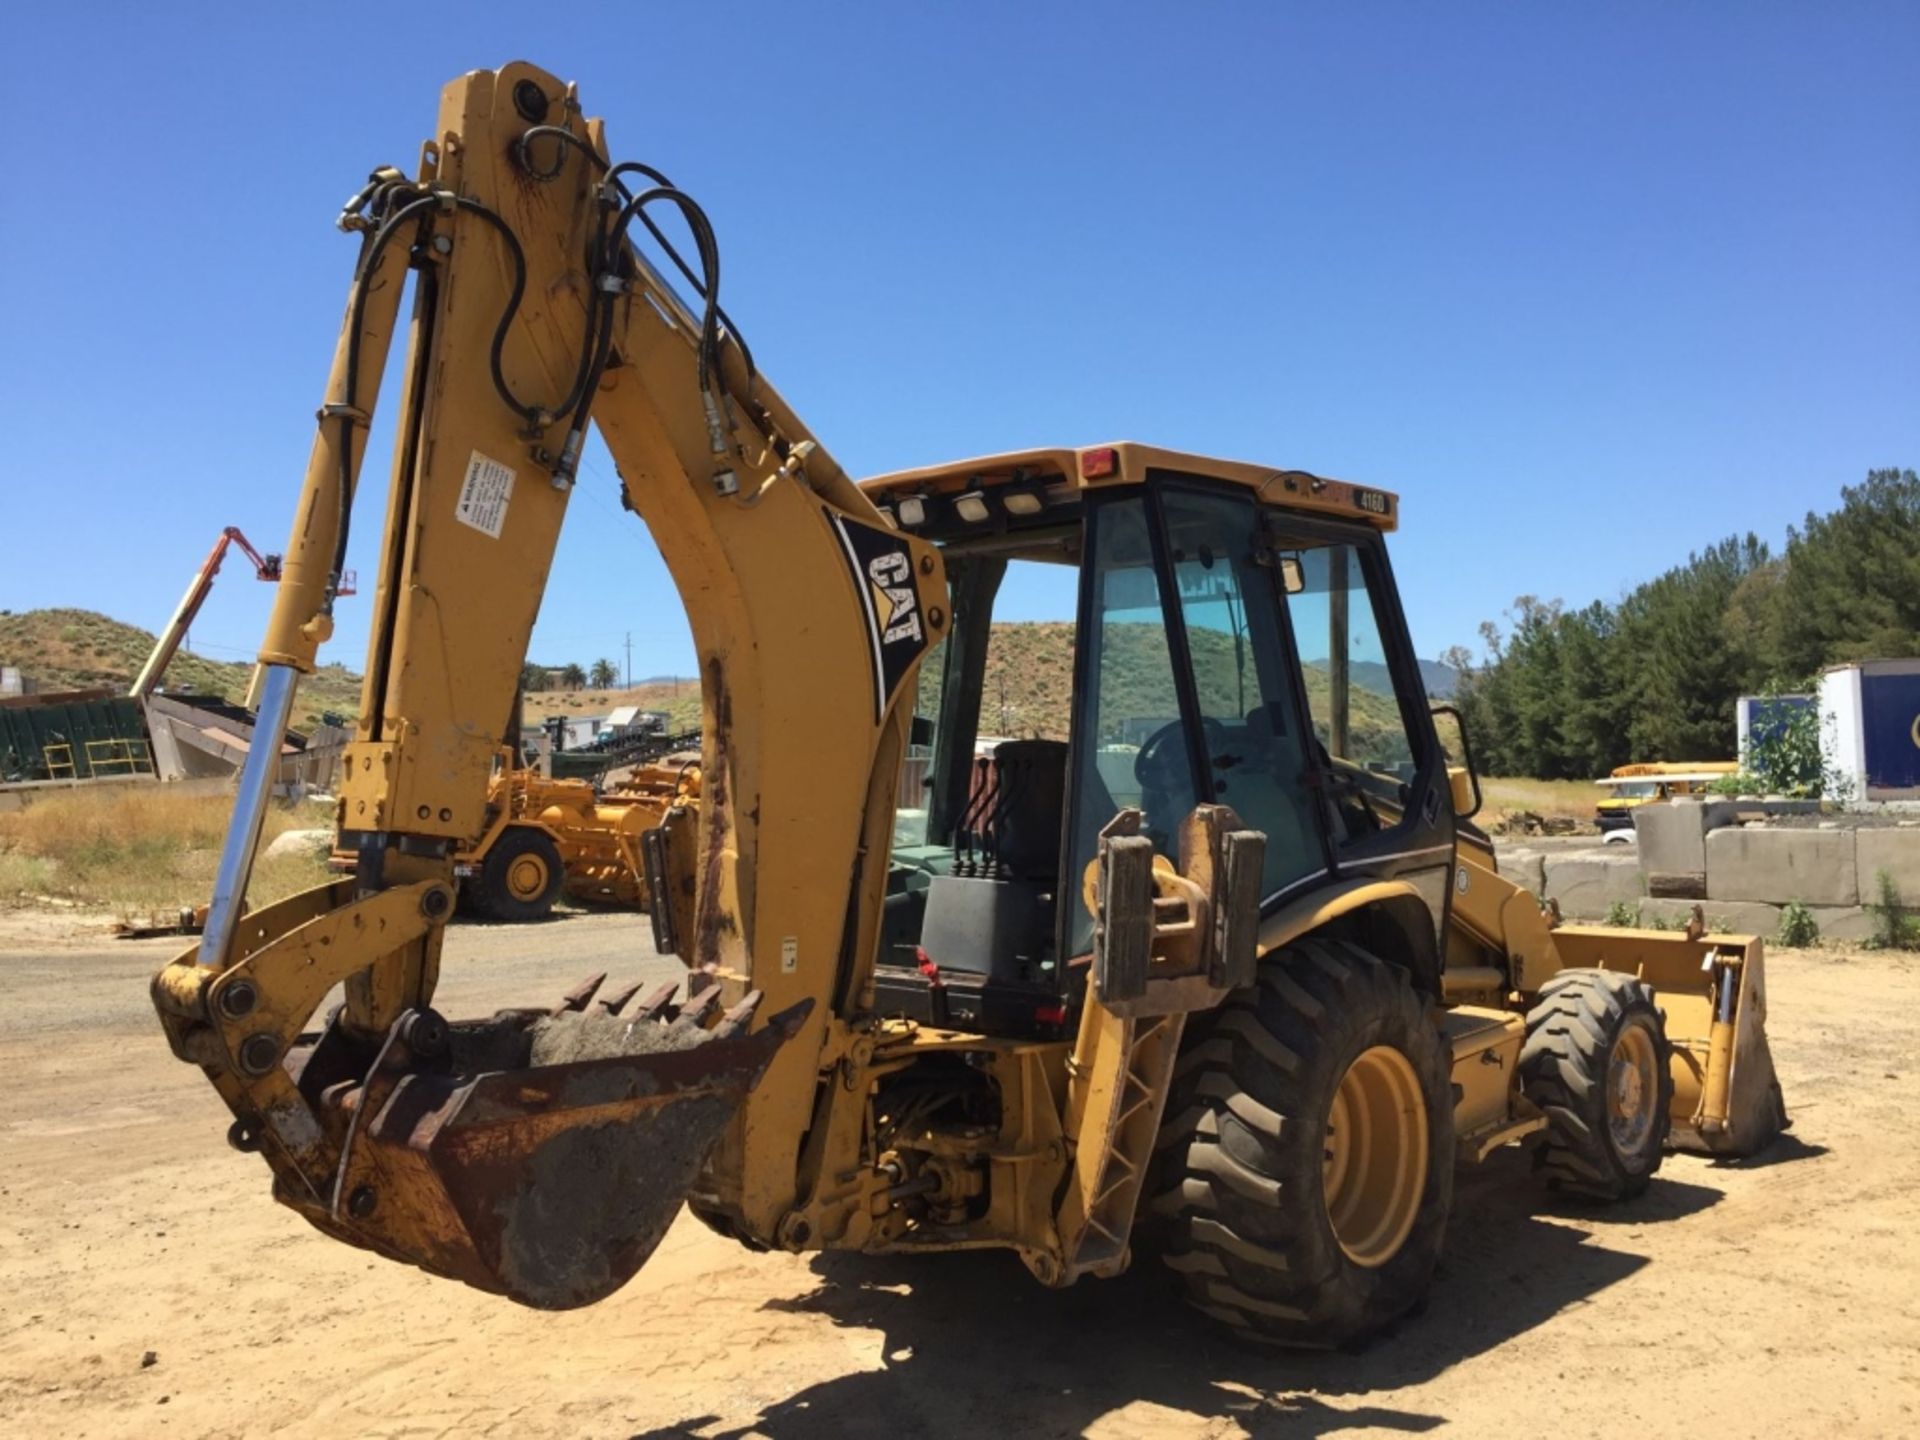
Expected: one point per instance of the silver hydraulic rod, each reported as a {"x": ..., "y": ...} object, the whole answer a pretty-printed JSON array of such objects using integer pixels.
[{"x": 249, "y": 813}]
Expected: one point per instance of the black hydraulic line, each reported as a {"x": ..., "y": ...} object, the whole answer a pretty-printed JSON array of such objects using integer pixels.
[
  {"x": 702, "y": 229},
  {"x": 348, "y": 413},
  {"x": 597, "y": 344},
  {"x": 613, "y": 174}
]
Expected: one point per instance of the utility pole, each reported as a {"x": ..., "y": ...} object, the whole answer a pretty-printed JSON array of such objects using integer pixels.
[{"x": 629, "y": 659}]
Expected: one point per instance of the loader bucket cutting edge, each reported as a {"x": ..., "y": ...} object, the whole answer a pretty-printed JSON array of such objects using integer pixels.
[{"x": 552, "y": 1184}]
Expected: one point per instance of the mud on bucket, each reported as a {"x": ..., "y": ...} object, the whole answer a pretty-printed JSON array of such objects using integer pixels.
[{"x": 545, "y": 1156}]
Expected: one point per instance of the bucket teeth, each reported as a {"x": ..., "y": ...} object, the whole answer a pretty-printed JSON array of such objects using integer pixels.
[
  {"x": 614, "y": 1004},
  {"x": 694, "y": 1012},
  {"x": 700, "y": 1009},
  {"x": 577, "y": 998},
  {"x": 736, "y": 1020},
  {"x": 656, "y": 1005}
]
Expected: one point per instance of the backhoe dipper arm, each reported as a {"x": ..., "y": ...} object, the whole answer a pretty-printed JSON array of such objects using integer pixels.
[{"x": 532, "y": 315}]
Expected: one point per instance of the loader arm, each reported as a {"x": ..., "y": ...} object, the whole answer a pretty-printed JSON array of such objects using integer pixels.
[{"x": 532, "y": 317}]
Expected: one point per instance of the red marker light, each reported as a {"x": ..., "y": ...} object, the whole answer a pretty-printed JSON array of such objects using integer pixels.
[
  {"x": 1050, "y": 1014},
  {"x": 1094, "y": 464}
]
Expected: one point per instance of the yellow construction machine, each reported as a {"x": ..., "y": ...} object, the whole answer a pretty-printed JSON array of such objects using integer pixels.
[
  {"x": 1227, "y": 974},
  {"x": 544, "y": 837}
]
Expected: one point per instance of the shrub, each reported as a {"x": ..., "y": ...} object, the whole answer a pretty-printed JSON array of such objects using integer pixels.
[
  {"x": 1893, "y": 927},
  {"x": 1623, "y": 915},
  {"x": 1798, "y": 928}
]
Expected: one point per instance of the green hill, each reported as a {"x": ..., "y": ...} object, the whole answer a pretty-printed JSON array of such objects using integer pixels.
[
  {"x": 1028, "y": 690},
  {"x": 85, "y": 650}
]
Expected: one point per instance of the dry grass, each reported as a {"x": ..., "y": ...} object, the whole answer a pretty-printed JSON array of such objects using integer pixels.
[
  {"x": 138, "y": 850},
  {"x": 1571, "y": 799}
]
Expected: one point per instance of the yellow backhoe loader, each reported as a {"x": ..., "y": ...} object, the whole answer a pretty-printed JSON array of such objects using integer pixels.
[{"x": 1225, "y": 973}]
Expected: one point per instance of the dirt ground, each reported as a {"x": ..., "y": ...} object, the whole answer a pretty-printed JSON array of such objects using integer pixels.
[{"x": 1778, "y": 1297}]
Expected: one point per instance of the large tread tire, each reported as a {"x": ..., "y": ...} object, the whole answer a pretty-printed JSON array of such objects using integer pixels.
[
  {"x": 492, "y": 894},
  {"x": 1238, "y": 1187},
  {"x": 1574, "y": 1032}
]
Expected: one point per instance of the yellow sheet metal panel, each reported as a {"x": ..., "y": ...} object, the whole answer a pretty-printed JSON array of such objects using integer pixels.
[
  {"x": 1127, "y": 463},
  {"x": 1486, "y": 1047}
]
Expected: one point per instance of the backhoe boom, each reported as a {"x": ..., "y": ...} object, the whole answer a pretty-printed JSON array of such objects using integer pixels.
[{"x": 531, "y": 314}]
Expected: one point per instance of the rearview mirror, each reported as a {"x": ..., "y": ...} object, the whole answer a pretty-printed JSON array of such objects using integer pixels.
[
  {"x": 1463, "y": 778},
  {"x": 1292, "y": 579}
]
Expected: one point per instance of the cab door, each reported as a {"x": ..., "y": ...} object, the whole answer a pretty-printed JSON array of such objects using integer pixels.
[
  {"x": 1251, "y": 742},
  {"x": 1382, "y": 775}
]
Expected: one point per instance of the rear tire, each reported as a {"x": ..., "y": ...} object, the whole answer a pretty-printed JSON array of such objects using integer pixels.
[
  {"x": 1597, "y": 1062},
  {"x": 1322, "y": 1091},
  {"x": 520, "y": 878}
]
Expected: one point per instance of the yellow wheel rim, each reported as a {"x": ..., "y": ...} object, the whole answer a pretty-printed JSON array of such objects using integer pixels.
[
  {"x": 1376, "y": 1156},
  {"x": 1632, "y": 1088},
  {"x": 527, "y": 877}
]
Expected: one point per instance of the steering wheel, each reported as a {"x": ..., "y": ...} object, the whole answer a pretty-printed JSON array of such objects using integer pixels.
[{"x": 1150, "y": 766}]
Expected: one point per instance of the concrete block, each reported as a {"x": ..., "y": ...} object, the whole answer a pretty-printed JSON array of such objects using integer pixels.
[
  {"x": 1587, "y": 885},
  {"x": 1522, "y": 866},
  {"x": 1895, "y": 851},
  {"x": 1774, "y": 866},
  {"x": 1843, "y": 924},
  {"x": 1730, "y": 917},
  {"x": 1673, "y": 836}
]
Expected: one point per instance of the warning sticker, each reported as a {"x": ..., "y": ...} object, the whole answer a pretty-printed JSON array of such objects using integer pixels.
[{"x": 484, "y": 496}]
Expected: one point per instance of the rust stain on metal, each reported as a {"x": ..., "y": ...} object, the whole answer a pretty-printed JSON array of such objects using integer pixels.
[
  {"x": 709, "y": 919},
  {"x": 554, "y": 1185}
]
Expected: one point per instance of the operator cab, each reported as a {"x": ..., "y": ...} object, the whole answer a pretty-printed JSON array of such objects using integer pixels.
[{"x": 1236, "y": 640}]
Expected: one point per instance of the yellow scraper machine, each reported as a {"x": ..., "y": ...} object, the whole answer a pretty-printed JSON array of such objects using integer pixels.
[{"x": 1224, "y": 973}]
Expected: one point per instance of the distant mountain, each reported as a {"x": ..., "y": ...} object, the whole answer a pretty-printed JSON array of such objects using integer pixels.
[
  {"x": 1028, "y": 686},
  {"x": 1441, "y": 680},
  {"x": 85, "y": 650},
  {"x": 1028, "y": 689}
]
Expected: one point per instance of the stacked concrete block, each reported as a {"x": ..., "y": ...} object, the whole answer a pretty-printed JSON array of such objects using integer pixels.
[
  {"x": 1526, "y": 868},
  {"x": 1672, "y": 843},
  {"x": 1733, "y": 917},
  {"x": 1849, "y": 924},
  {"x": 1896, "y": 851},
  {"x": 1815, "y": 867},
  {"x": 1589, "y": 883}
]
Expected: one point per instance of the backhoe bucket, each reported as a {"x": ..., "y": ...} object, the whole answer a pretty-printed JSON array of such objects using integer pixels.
[
  {"x": 1713, "y": 991},
  {"x": 538, "y": 1156}
]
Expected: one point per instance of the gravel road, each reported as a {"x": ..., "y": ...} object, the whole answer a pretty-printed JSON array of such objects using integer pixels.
[{"x": 1778, "y": 1297}]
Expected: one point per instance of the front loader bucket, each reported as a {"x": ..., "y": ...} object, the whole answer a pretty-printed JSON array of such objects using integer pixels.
[
  {"x": 539, "y": 1157},
  {"x": 1713, "y": 991}
]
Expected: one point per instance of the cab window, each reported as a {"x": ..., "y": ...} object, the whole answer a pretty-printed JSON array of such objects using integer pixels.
[
  {"x": 1369, "y": 753},
  {"x": 1251, "y": 741}
]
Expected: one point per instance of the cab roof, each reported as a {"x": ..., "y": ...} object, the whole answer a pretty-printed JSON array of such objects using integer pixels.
[{"x": 1064, "y": 472}]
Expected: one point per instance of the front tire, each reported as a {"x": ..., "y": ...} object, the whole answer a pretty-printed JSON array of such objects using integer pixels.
[
  {"x": 1305, "y": 1167},
  {"x": 520, "y": 878},
  {"x": 1596, "y": 1060}
]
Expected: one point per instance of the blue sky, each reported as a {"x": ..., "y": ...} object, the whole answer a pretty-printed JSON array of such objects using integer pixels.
[{"x": 1589, "y": 286}]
